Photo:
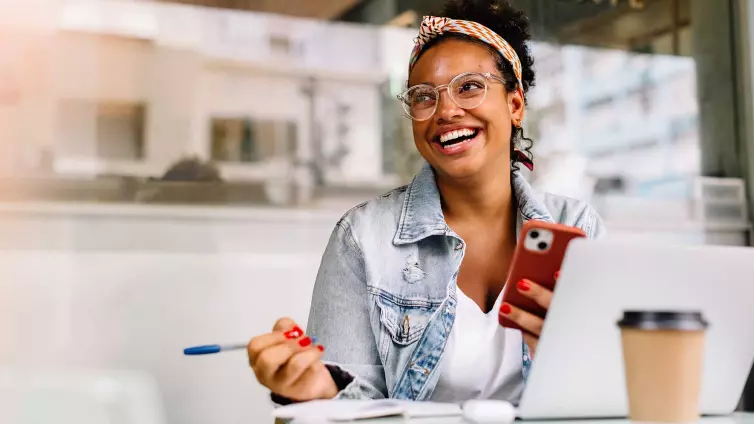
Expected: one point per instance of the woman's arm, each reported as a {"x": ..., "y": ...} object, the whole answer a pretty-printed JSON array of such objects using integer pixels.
[
  {"x": 345, "y": 363},
  {"x": 339, "y": 317}
]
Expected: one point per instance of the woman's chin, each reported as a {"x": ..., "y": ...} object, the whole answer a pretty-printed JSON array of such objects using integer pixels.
[
  {"x": 460, "y": 168},
  {"x": 459, "y": 165}
]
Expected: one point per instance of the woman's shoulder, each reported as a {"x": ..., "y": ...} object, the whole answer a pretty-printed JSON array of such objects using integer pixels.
[
  {"x": 574, "y": 212},
  {"x": 381, "y": 212}
]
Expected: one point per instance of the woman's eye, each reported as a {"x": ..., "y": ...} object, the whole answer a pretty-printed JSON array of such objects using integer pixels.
[
  {"x": 423, "y": 98},
  {"x": 469, "y": 86}
]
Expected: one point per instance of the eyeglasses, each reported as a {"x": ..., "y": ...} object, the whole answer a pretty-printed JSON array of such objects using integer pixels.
[{"x": 467, "y": 91}]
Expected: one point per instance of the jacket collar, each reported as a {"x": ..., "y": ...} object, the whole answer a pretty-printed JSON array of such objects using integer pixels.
[{"x": 421, "y": 215}]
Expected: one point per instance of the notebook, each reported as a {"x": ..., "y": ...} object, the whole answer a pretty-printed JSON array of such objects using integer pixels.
[{"x": 350, "y": 410}]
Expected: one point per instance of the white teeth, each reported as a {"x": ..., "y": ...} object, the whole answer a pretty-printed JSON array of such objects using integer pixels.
[
  {"x": 452, "y": 135},
  {"x": 457, "y": 146}
]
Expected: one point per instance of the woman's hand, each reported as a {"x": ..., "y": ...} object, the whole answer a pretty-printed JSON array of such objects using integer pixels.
[
  {"x": 289, "y": 364},
  {"x": 530, "y": 323}
]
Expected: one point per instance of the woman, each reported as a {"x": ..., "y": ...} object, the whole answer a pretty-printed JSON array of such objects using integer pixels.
[{"x": 408, "y": 292}]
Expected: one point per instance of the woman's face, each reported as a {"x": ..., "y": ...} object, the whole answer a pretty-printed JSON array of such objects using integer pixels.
[{"x": 491, "y": 121}]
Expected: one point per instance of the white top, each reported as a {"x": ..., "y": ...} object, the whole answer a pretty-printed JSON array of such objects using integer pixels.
[{"x": 482, "y": 359}]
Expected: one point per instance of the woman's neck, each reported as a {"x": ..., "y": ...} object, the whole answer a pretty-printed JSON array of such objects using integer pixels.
[{"x": 485, "y": 197}]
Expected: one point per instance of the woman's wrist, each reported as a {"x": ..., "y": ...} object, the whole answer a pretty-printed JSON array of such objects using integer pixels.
[{"x": 340, "y": 380}]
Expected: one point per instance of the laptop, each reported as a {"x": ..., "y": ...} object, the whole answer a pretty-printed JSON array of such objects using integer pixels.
[{"x": 578, "y": 368}]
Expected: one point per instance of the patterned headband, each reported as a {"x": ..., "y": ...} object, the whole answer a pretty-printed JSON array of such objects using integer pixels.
[{"x": 433, "y": 27}]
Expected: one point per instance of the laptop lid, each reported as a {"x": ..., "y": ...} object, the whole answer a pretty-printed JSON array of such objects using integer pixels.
[{"x": 578, "y": 368}]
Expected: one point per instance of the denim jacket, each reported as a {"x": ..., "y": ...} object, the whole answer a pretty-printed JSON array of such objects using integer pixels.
[{"x": 385, "y": 299}]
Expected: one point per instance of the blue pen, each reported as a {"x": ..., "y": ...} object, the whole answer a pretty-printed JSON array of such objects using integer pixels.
[{"x": 210, "y": 349}]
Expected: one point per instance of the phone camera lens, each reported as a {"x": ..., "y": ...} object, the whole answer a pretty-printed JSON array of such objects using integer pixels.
[
  {"x": 534, "y": 234},
  {"x": 542, "y": 245}
]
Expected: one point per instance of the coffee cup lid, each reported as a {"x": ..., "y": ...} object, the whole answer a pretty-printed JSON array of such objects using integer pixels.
[{"x": 663, "y": 320}]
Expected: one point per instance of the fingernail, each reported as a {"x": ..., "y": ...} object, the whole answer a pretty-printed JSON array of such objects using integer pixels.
[
  {"x": 505, "y": 309},
  {"x": 306, "y": 341},
  {"x": 557, "y": 274},
  {"x": 294, "y": 334},
  {"x": 523, "y": 286},
  {"x": 321, "y": 348}
]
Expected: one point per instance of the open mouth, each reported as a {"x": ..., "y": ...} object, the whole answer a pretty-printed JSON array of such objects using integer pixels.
[{"x": 454, "y": 137}]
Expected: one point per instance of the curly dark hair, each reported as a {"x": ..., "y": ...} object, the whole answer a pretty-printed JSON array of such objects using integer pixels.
[{"x": 511, "y": 24}]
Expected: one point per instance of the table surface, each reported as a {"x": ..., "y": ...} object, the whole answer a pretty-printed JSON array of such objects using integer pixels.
[{"x": 737, "y": 418}]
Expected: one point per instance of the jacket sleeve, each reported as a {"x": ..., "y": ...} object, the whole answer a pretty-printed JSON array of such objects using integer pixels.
[
  {"x": 595, "y": 227},
  {"x": 575, "y": 213},
  {"x": 340, "y": 318}
]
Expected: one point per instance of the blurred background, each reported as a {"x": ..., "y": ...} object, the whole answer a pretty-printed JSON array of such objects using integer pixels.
[{"x": 170, "y": 171}]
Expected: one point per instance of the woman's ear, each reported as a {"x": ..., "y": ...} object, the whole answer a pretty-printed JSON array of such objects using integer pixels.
[{"x": 516, "y": 107}]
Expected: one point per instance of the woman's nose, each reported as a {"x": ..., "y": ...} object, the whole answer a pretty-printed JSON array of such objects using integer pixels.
[{"x": 447, "y": 109}]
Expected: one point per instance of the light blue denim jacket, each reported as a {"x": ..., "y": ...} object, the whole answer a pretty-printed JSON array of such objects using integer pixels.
[{"x": 385, "y": 300}]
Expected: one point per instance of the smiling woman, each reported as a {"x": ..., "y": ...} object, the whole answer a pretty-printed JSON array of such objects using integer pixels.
[{"x": 406, "y": 299}]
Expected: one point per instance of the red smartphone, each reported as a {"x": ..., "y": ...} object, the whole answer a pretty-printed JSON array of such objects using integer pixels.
[{"x": 539, "y": 255}]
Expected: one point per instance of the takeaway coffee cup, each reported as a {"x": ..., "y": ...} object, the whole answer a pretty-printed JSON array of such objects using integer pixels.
[{"x": 662, "y": 357}]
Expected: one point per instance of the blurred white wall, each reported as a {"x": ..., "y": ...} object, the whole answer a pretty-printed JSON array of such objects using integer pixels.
[
  {"x": 76, "y": 397},
  {"x": 138, "y": 310},
  {"x": 128, "y": 288}
]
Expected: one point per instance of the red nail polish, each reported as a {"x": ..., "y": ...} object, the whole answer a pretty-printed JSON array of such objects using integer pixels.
[
  {"x": 294, "y": 334},
  {"x": 321, "y": 348},
  {"x": 523, "y": 286},
  {"x": 557, "y": 274},
  {"x": 306, "y": 341},
  {"x": 505, "y": 309}
]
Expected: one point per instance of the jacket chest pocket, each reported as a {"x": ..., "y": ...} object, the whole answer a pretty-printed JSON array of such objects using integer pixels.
[{"x": 404, "y": 320}]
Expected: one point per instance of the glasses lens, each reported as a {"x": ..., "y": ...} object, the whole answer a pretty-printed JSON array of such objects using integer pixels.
[
  {"x": 420, "y": 101},
  {"x": 469, "y": 90}
]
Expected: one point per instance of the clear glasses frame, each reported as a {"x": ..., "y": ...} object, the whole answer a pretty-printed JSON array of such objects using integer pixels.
[{"x": 467, "y": 90}]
